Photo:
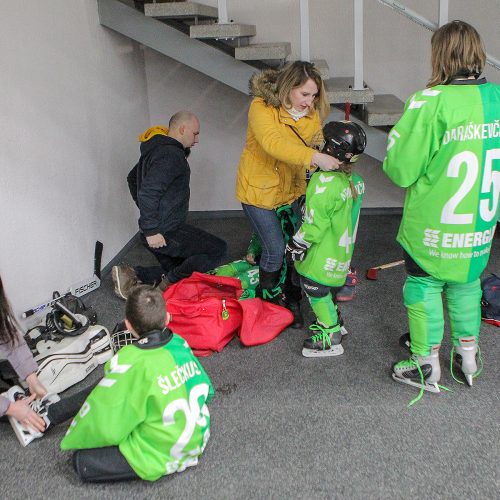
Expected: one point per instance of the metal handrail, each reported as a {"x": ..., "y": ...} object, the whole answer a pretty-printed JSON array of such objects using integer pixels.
[{"x": 424, "y": 22}]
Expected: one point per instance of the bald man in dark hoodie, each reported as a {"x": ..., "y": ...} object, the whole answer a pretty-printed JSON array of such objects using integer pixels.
[{"x": 159, "y": 185}]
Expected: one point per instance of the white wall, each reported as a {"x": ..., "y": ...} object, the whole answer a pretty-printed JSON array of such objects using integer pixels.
[
  {"x": 73, "y": 94},
  {"x": 222, "y": 110}
]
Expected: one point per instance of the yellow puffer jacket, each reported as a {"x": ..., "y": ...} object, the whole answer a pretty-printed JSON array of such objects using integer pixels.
[{"x": 274, "y": 161}]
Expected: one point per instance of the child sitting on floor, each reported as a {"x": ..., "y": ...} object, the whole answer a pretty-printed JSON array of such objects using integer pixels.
[{"x": 148, "y": 416}]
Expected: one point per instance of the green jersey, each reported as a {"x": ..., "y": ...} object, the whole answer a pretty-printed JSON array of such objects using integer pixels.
[
  {"x": 445, "y": 150},
  {"x": 152, "y": 404},
  {"x": 329, "y": 227}
]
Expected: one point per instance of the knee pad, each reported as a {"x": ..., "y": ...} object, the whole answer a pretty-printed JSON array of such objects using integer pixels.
[{"x": 313, "y": 289}]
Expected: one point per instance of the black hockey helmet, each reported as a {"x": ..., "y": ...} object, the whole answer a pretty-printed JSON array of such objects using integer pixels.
[{"x": 344, "y": 140}]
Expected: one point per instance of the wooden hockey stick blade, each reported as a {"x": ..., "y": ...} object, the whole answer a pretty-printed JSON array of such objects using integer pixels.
[{"x": 372, "y": 273}]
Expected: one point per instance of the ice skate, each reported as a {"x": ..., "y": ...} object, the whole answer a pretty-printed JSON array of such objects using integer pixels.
[
  {"x": 405, "y": 341},
  {"x": 26, "y": 434},
  {"x": 423, "y": 372},
  {"x": 325, "y": 341},
  {"x": 465, "y": 356}
]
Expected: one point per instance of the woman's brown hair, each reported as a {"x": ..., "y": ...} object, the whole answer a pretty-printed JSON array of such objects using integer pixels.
[
  {"x": 295, "y": 75},
  {"x": 456, "y": 52},
  {"x": 8, "y": 323}
]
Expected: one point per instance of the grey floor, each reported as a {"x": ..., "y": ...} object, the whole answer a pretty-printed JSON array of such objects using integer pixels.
[{"x": 287, "y": 426}]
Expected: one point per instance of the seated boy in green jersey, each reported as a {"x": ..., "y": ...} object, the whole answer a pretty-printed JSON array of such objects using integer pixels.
[
  {"x": 322, "y": 247},
  {"x": 148, "y": 416}
]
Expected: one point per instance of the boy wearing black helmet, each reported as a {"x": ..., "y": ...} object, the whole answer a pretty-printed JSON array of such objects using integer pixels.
[{"x": 322, "y": 247}]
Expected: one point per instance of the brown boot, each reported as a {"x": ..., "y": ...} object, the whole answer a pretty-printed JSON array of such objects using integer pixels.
[
  {"x": 124, "y": 279},
  {"x": 164, "y": 283}
]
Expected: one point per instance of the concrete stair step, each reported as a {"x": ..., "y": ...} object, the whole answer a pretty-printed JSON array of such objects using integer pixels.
[
  {"x": 180, "y": 10},
  {"x": 322, "y": 67},
  {"x": 386, "y": 109},
  {"x": 230, "y": 30},
  {"x": 263, "y": 51},
  {"x": 339, "y": 90}
]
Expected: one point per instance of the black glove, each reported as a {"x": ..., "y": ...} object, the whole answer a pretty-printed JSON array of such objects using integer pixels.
[{"x": 295, "y": 250}]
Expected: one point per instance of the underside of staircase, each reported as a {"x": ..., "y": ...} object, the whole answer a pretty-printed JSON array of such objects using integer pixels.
[{"x": 190, "y": 33}]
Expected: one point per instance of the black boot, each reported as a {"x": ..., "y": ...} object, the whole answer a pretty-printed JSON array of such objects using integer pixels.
[
  {"x": 293, "y": 296},
  {"x": 298, "y": 319},
  {"x": 269, "y": 287}
]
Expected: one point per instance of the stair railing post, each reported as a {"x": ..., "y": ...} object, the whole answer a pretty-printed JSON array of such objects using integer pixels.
[
  {"x": 358, "y": 45},
  {"x": 222, "y": 12},
  {"x": 443, "y": 12},
  {"x": 304, "y": 30}
]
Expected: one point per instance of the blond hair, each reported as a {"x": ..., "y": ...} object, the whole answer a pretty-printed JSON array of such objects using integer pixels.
[
  {"x": 456, "y": 51},
  {"x": 295, "y": 75}
]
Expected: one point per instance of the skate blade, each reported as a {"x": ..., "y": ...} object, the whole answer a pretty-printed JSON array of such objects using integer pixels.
[
  {"x": 469, "y": 379},
  {"x": 334, "y": 350},
  {"x": 427, "y": 387},
  {"x": 343, "y": 330}
]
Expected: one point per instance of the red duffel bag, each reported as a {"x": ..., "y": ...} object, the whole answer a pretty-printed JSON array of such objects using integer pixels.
[{"x": 206, "y": 312}]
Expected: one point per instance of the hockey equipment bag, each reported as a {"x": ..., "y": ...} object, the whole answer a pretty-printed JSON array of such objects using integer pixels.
[
  {"x": 68, "y": 316},
  {"x": 206, "y": 312},
  {"x": 490, "y": 302},
  {"x": 65, "y": 361}
]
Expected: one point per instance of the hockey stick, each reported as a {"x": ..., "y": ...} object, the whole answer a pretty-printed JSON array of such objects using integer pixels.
[
  {"x": 372, "y": 273},
  {"x": 94, "y": 282},
  {"x": 79, "y": 289}
]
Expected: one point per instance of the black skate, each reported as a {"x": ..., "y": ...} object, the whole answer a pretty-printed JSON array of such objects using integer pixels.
[{"x": 325, "y": 342}]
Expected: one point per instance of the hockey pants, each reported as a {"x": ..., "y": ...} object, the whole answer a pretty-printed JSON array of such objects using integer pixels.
[{"x": 424, "y": 304}]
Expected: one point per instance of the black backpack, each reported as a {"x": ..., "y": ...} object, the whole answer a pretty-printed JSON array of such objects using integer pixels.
[{"x": 490, "y": 302}]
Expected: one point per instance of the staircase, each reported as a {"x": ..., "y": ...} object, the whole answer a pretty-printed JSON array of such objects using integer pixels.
[{"x": 228, "y": 54}]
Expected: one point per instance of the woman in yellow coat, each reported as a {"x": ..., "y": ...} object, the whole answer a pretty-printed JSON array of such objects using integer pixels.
[{"x": 284, "y": 132}]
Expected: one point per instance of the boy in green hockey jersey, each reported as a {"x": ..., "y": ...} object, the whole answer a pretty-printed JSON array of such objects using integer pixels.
[
  {"x": 148, "y": 416},
  {"x": 445, "y": 150},
  {"x": 322, "y": 247}
]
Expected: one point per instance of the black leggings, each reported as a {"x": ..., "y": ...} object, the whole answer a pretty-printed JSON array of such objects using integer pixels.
[
  {"x": 94, "y": 464},
  {"x": 102, "y": 464}
]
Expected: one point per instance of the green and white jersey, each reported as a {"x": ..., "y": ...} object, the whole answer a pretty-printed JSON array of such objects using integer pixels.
[
  {"x": 445, "y": 150},
  {"x": 329, "y": 227},
  {"x": 152, "y": 404}
]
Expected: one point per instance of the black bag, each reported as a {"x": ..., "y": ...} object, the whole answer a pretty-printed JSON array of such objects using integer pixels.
[{"x": 490, "y": 302}]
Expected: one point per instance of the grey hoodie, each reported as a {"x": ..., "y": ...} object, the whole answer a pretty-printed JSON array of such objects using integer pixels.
[{"x": 22, "y": 361}]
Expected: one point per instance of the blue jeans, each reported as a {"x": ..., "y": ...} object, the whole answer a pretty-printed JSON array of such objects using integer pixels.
[
  {"x": 188, "y": 249},
  {"x": 268, "y": 228}
]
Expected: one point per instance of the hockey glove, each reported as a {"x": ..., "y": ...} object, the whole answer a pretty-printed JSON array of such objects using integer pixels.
[{"x": 296, "y": 250}]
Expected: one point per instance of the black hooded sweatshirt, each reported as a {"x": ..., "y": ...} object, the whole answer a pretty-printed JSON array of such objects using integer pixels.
[{"x": 159, "y": 184}]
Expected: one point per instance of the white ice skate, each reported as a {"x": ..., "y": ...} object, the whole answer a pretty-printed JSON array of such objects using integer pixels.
[
  {"x": 26, "y": 434},
  {"x": 466, "y": 357}
]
